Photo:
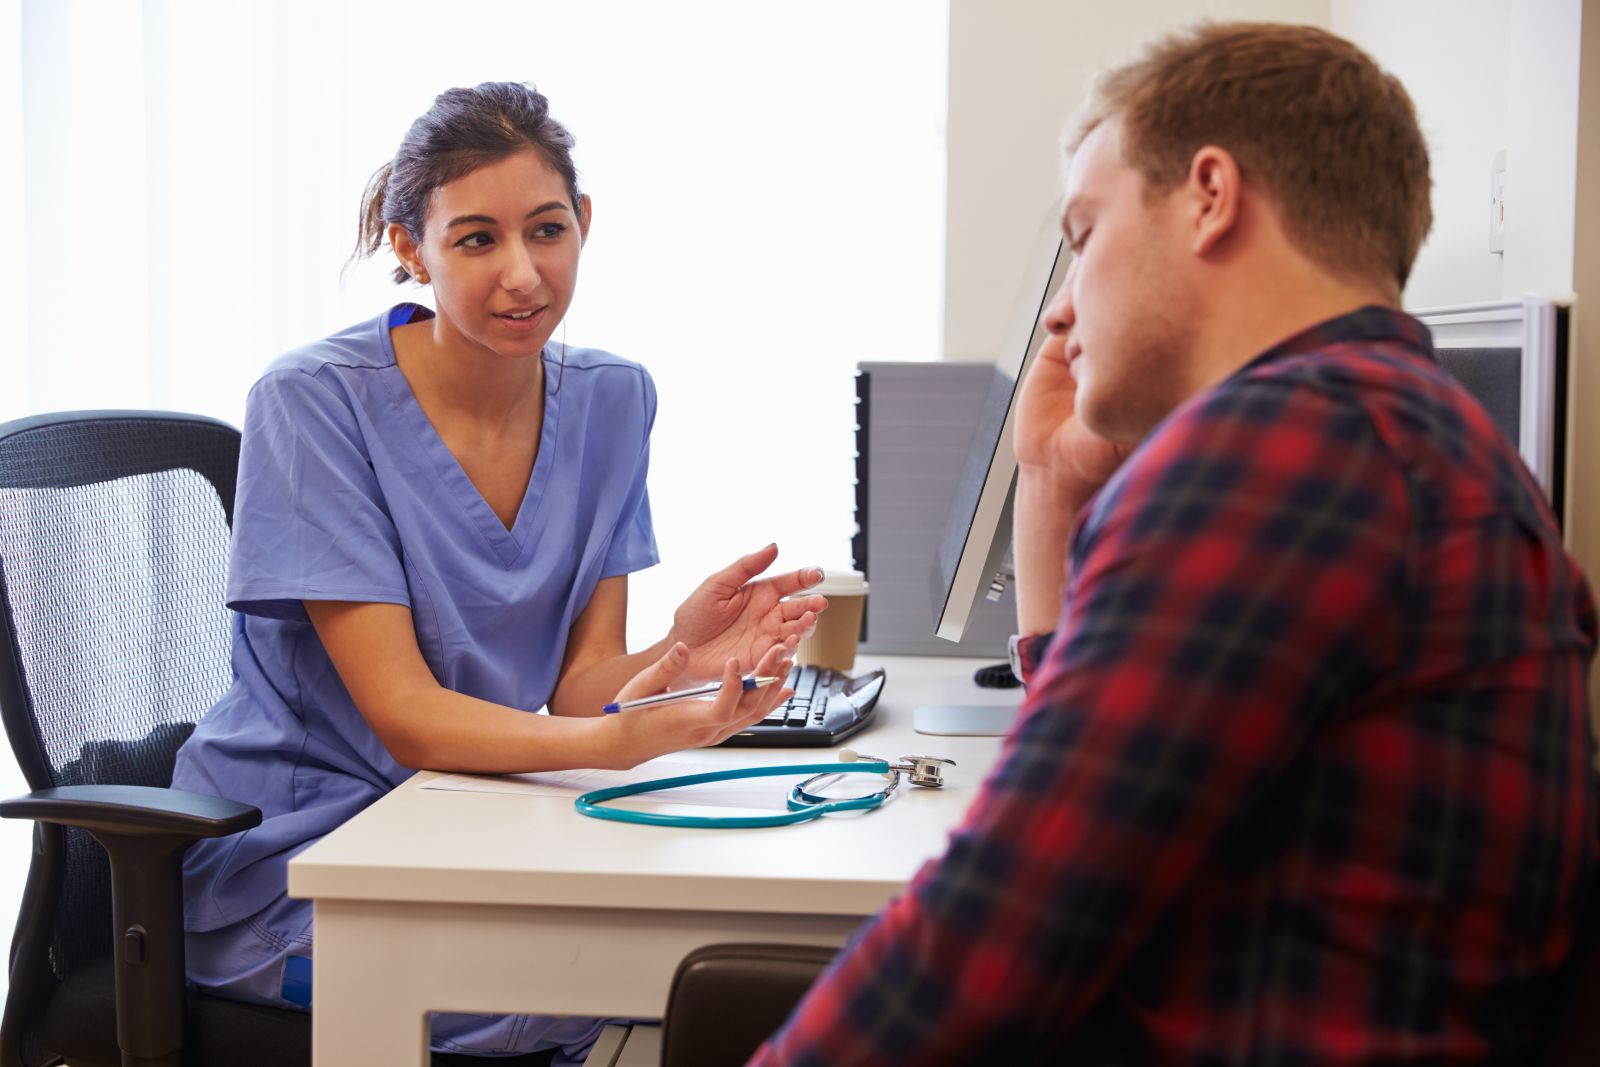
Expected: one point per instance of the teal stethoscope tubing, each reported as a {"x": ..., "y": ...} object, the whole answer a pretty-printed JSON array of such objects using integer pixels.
[{"x": 803, "y": 806}]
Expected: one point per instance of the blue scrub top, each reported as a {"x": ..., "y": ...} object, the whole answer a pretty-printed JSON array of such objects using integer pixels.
[{"x": 346, "y": 492}]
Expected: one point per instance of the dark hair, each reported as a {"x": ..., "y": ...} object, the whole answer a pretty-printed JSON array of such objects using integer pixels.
[
  {"x": 464, "y": 129},
  {"x": 1331, "y": 137}
]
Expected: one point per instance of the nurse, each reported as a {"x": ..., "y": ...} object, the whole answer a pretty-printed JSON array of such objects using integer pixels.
[{"x": 436, "y": 516}]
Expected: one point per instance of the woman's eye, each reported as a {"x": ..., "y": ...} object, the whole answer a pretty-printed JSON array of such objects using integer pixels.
[{"x": 475, "y": 240}]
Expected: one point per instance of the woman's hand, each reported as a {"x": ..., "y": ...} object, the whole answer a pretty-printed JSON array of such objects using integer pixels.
[
  {"x": 638, "y": 734},
  {"x": 732, "y": 617}
]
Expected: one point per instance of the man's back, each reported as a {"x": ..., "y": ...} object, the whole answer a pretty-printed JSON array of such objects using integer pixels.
[
  {"x": 1405, "y": 645},
  {"x": 1305, "y": 776}
]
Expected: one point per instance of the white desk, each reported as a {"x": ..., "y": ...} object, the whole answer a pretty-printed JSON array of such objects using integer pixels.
[{"x": 452, "y": 901}]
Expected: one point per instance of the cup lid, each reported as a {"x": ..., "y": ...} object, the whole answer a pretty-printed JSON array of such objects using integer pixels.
[{"x": 840, "y": 582}]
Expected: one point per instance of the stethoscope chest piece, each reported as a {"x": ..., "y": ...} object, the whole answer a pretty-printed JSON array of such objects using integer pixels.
[{"x": 926, "y": 771}]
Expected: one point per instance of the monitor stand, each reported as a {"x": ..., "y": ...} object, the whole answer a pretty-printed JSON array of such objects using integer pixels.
[{"x": 964, "y": 720}]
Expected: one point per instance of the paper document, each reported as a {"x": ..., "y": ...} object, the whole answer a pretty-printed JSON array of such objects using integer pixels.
[{"x": 760, "y": 794}]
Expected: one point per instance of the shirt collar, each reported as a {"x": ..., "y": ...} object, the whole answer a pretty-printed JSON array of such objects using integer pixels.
[{"x": 1366, "y": 325}]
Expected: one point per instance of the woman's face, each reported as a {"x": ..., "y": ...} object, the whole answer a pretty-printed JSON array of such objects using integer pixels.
[{"x": 500, "y": 248}]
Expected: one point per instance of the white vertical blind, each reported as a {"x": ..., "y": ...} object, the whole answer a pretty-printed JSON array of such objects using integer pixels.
[{"x": 181, "y": 181}]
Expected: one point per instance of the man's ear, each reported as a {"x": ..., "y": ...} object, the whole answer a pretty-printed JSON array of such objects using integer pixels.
[{"x": 1214, "y": 188}]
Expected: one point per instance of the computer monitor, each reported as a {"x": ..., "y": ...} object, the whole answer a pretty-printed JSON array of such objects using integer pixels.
[
  {"x": 1513, "y": 357},
  {"x": 973, "y": 559}
]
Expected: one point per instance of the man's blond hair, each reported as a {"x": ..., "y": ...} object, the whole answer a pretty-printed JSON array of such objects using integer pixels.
[{"x": 1311, "y": 120}]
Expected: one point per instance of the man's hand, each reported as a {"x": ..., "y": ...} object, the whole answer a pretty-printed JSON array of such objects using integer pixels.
[
  {"x": 1061, "y": 463},
  {"x": 1050, "y": 436}
]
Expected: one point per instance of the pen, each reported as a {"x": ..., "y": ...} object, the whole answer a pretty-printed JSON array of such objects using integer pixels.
[{"x": 750, "y": 682}]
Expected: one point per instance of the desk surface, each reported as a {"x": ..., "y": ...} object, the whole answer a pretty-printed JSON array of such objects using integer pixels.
[{"x": 437, "y": 846}]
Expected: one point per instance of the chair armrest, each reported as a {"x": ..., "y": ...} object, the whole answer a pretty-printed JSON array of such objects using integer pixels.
[
  {"x": 133, "y": 811},
  {"x": 145, "y": 832},
  {"x": 726, "y": 1000}
]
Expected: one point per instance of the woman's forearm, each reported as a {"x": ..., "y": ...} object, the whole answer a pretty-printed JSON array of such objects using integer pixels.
[
  {"x": 587, "y": 686},
  {"x": 434, "y": 728}
]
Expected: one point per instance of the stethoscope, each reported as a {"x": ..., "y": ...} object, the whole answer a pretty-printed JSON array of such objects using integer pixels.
[{"x": 804, "y": 802}]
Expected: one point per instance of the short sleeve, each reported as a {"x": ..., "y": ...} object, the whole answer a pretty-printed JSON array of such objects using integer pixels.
[
  {"x": 633, "y": 544},
  {"x": 310, "y": 522}
]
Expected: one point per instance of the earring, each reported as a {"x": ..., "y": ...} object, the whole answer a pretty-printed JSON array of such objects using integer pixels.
[{"x": 420, "y": 276}]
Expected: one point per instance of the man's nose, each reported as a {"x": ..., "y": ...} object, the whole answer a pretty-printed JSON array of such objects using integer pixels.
[{"x": 1059, "y": 315}]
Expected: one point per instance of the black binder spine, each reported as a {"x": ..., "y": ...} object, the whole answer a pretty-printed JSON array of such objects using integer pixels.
[{"x": 858, "y": 541}]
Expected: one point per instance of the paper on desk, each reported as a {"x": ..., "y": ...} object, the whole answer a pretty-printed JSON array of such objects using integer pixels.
[{"x": 760, "y": 794}]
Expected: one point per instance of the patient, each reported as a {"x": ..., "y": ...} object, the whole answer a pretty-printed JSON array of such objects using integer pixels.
[{"x": 1304, "y": 771}]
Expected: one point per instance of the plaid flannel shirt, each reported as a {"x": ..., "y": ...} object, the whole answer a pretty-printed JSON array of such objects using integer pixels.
[{"x": 1305, "y": 775}]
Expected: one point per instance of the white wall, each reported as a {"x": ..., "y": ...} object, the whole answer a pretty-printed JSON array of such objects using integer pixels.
[
  {"x": 1486, "y": 75},
  {"x": 1018, "y": 71},
  {"x": 1459, "y": 86},
  {"x": 1542, "y": 146}
]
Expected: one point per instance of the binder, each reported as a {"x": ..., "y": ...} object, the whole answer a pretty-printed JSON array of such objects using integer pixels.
[{"x": 914, "y": 424}]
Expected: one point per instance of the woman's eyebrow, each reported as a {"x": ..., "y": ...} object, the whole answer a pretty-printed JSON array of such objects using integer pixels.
[{"x": 481, "y": 220}]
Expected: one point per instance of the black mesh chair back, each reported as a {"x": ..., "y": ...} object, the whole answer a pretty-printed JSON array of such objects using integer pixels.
[
  {"x": 114, "y": 641},
  {"x": 114, "y": 531}
]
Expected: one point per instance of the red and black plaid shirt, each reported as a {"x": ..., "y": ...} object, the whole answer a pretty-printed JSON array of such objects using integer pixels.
[{"x": 1305, "y": 775}]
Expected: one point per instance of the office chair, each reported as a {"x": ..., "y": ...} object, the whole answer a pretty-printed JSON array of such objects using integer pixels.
[
  {"x": 114, "y": 640},
  {"x": 725, "y": 1000}
]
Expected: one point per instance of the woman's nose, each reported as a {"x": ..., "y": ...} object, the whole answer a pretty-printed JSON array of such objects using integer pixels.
[{"x": 521, "y": 274}]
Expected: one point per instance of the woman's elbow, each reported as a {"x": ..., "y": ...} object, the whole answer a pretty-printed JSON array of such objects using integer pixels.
[{"x": 403, "y": 728}]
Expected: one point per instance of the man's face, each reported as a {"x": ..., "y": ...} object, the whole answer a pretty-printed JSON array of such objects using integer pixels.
[{"x": 1126, "y": 308}]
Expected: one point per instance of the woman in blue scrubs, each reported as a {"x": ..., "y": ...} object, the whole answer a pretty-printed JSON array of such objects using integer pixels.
[{"x": 436, "y": 516}]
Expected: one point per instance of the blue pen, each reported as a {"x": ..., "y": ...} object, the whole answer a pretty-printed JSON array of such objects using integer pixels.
[{"x": 749, "y": 681}]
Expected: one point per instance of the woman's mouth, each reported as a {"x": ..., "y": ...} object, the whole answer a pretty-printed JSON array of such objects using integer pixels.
[{"x": 524, "y": 319}]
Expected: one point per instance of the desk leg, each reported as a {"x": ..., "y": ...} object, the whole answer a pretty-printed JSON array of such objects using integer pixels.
[{"x": 362, "y": 1010}]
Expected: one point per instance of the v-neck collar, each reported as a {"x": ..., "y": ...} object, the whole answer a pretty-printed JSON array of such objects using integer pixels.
[{"x": 508, "y": 543}]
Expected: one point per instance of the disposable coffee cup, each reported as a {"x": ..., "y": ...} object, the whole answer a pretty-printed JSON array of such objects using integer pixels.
[{"x": 833, "y": 642}]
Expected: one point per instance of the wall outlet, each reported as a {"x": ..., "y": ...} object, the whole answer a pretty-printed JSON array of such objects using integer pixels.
[{"x": 1497, "y": 203}]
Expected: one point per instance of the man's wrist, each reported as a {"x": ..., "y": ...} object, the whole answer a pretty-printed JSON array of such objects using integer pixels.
[
  {"x": 1025, "y": 652},
  {"x": 1042, "y": 520}
]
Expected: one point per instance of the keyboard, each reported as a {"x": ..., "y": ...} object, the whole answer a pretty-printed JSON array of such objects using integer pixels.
[{"x": 827, "y": 707}]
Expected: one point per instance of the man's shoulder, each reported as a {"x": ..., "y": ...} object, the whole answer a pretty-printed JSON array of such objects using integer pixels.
[
  {"x": 1389, "y": 393},
  {"x": 1356, "y": 371}
]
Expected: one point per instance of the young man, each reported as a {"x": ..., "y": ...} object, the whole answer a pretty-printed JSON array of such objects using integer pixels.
[{"x": 1304, "y": 774}]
